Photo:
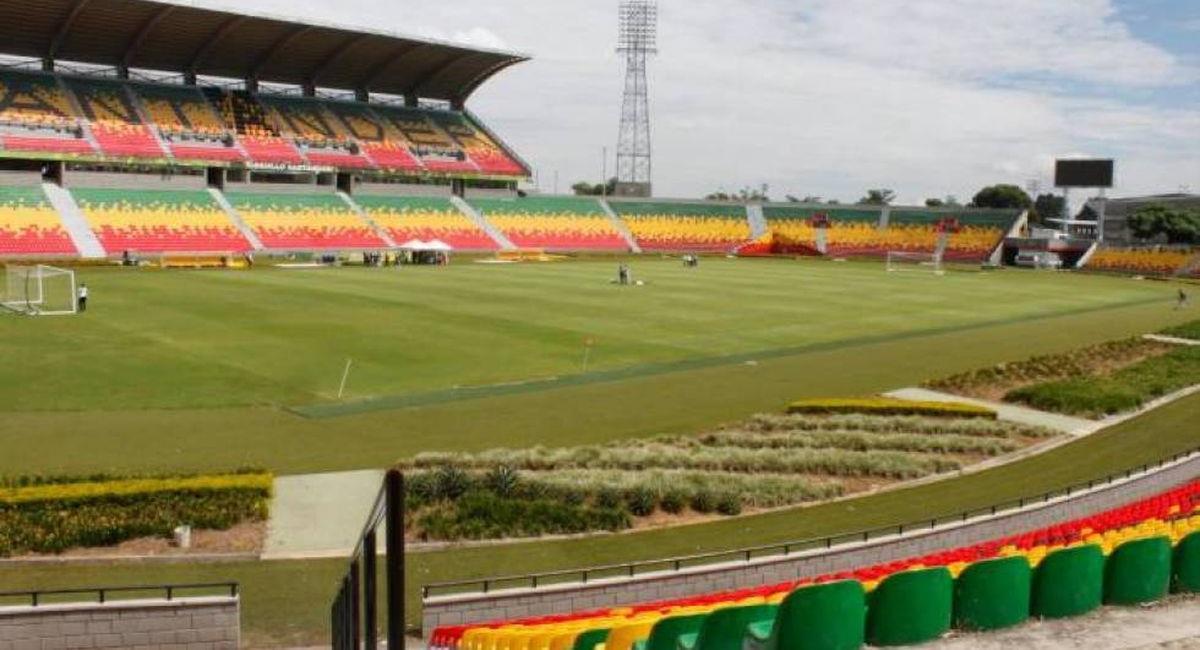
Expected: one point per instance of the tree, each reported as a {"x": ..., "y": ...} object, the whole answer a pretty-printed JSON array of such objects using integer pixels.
[
  {"x": 1178, "y": 226},
  {"x": 807, "y": 198},
  {"x": 878, "y": 197},
  {"x": 745, "y": 195},
  {"x": 934, "y": 203},
  {"x": 1002, "y": 196},
  {"x": 951, "y": 201},
  {"x": 1047, "y": 206},
  {"x": 584, "y": 188}
]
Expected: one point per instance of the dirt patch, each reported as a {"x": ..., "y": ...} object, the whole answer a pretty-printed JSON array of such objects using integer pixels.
[{"x": 242, "y": 538}]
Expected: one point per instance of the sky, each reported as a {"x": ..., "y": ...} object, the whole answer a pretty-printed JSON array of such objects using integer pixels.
[{"x": 831, "y": 97}]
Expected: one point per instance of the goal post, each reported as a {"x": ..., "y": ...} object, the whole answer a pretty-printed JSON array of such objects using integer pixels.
[
  {"x": 913, "y": 261},
  {"x": 39, "y": 290}
]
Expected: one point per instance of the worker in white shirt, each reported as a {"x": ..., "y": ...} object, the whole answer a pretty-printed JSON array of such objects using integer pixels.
[{"x": 83, "y": 295}]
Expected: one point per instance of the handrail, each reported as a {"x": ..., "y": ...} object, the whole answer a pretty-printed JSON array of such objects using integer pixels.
[
  {"x": 746, "y": 554},
  {"x": 35, "y": 595}
]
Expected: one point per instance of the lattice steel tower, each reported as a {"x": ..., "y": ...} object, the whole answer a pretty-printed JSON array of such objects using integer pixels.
[{"x": 637, "y": 39}]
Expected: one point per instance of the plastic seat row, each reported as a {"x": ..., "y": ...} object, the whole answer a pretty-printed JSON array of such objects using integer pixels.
[
  {"x": 553, "y": 223},
  {"x": 1123, "y": 555},
  {"x": 684, "y": 227}
]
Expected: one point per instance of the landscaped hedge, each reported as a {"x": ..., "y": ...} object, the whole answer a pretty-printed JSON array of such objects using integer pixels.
[
  {"x": 52, "y": 515},
  {"x": 889, "y": 406}
]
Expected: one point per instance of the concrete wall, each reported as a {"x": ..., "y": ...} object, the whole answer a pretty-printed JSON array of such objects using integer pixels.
[
  {"x": 74, "y": 178},
  {"x": 210, "y": 623},
  {"x": 513, "y": 603}
]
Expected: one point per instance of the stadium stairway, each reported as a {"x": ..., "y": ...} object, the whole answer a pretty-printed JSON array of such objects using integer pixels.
[
  {"x": 1191, "y": 268},
  {"x": 73, "y": 220},
  {"x": 620, "y": 226},
  {"x": 236, "y": 218},
  {"x": 758, "y": 223},
  {"x": 474, "y": 215},
  {"x": 362, "y": 214}
]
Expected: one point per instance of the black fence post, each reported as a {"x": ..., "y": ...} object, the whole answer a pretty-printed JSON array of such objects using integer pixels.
[
  {"x": 370, "y": 619},
  {"x": 394, "y": 518},
  {"x": 355, "y": 606}
]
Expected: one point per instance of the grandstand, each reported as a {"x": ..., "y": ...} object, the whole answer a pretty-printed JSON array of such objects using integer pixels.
[
  {"x": 425, "y": 219},
  {"x": 694, "y": 227},
  {"x": 159, "y": 221},
  {"x": 29, "y": 226},
  {"x": 298, "y": 222},
  {"x": 862, "y": 231},
  {"x": 1143, "y": 261},
  {"x": 555, "y": 223},
  {"x": 1051, "y": 572}
]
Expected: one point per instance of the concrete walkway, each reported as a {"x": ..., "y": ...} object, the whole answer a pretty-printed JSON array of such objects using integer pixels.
[
  {"x": 319, "y": 515},
  {"x": 1010, "y": 412},
  {"x": 1161, "y": 338}
]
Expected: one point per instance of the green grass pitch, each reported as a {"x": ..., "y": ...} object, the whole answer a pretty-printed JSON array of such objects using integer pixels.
[
  {"x": 205, "y": 370},
  {"x": 189, "y": 371}
]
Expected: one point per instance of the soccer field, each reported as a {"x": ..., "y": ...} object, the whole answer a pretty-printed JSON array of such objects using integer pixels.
[{"x": 208, "y": 369}]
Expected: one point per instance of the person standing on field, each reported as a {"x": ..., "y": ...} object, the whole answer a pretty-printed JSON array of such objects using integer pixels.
[
  {"x": 83, "y": 296},
  {"x": 1182, "y": 300}
]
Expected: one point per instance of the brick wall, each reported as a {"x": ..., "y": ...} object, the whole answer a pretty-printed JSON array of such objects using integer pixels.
[
  {"x": 512, "y": 603},
  {"x": 210, "y": 623}
]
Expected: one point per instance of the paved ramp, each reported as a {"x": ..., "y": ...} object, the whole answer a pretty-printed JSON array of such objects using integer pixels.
[
  {"x": 314, "y": 515},
  {"x": 1010, "y": 412}
]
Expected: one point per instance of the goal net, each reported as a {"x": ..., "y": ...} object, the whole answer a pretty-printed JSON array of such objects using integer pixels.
[
  {"x": 910, "y": 261},
  {"x": 39, "y": 290}
]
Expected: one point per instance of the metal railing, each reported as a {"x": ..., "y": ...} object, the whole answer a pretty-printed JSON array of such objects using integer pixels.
[
  {"x": 353, "y": 615},
  {"x": 780, "y": 549},
  {"x": 38, "y": 597}
]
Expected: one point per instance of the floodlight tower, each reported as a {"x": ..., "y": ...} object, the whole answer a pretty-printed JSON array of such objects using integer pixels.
[{"x": 637, "y": 39}]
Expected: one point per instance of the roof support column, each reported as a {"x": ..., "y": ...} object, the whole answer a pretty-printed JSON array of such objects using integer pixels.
[
  {"x": 411, "y": 100},
  {"x": 251, "y": 85},
  {"x": 309, "y": 89},
  {"x": 189, "y": 78},
  {"x": 122, "y": 72},
  {"x": 362, "y": 95},
  {"x": 47, "y": 65}
]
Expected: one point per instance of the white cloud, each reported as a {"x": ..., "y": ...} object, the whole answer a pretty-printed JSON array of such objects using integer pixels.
[{"x": 928, "y": 97}]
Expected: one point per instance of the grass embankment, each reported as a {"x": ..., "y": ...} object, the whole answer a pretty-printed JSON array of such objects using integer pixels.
[
  {"x": 189, "y": 368},
  {"x": 1124, "y": 390},
  {"x": 287, "y": 602},
  {"x": 766, "y": 462},
  {"x": 1185, "y": 331}
]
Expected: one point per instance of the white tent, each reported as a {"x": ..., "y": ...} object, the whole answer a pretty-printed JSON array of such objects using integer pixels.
[{"x": 435, "y": 245}]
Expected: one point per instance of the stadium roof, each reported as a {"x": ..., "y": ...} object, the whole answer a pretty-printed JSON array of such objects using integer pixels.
[{"x": 177, "y": 37}]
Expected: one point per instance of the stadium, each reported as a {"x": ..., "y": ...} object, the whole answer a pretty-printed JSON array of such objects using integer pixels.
[{"x": 297, "y": 355}]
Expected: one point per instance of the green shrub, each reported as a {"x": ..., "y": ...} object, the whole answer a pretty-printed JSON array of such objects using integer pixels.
[
  {"x": 640, "y": 501},
  {"x": 729, "y": 503},
  {"x": 704, "y": 501},
  {"x": 608, "y": 498},
  {"x": 502, "y": 481},
  {"x": 889, "y": 406},
  {"x": 483, "y": 515},
  {"x": 53, "y": 516},
  {"x": 450, "y": 482},
  {"x": 673, "y": 501}
]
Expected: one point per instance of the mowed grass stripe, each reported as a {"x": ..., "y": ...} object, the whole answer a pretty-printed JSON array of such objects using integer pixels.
[{"x": 648, "y": 370}]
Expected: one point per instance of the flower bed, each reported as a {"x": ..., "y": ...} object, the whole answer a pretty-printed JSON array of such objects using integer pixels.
[
  {"x": 768, "y": 461},
  {"x": 52, "y": 515}
]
